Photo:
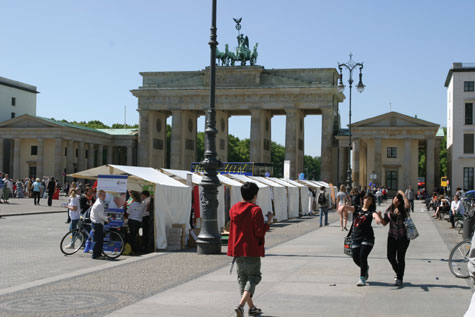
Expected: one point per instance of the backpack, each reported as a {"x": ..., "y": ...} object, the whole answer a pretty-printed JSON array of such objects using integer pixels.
[{"x": 322, "y": 199}]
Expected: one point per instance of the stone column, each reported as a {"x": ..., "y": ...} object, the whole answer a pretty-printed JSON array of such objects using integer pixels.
[
  {"x": 377, "y": 162},
  {"x": 327, "y": 143},
  {"x": 58, "y": 160},
  {"x": 70, "y": 157},
  {"x": 342, "y": 163},
  {"x": 355, "y": 168},
  {"x": 129, "y": 155},
  {"x": 2, "y": 144},
  {"x": 158, "y": 139},
  {"x": 183, "y": 141},
  {"x": 407, "y": 170},
  {"x": 40, "y": 158},
  {"x": 222, "y": 126},
  {"x": 144, "y": 138},
  {"x": 260, "y": 136},
  {"x": 100, "y": 155},
  {"x": 437, "y": 163},
  {"x": 81, "y": 156},
  {"x": 16, "y": 158},
  {"x": 90, "y": 155},
  {"x": 109, "y": 154},
  {"x": 294, "y": 141},
  {"x": 430, "y": 165}
]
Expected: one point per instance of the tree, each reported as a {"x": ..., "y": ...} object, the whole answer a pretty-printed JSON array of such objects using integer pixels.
[
  {"x": 238, "y": 150},
  {"x": 277, "y": 155},
  {"x": 442, "y": 157},
  {"x": 312, "y": 167}
]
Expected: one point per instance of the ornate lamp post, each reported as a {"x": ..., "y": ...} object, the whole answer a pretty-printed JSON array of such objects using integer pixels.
[
  {"x": 209, "y": 239},
  {"x": 350, "y": 66}
]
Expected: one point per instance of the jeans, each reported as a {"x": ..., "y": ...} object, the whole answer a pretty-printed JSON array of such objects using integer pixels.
[
  {"x": 412, "y": 204},
  {"x": 36, "y": 198},
  {"x": 98, "y": 238},
  {"x": 324, "y": 211},
  {"x": 397, "y": 255},
  {"x": 360, "y": 256},
  {"x": 73, "y": 224}
]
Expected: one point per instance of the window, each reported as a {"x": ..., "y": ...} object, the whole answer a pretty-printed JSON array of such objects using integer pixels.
[
  {"x": 468, "y": 143},
  {"x": 34, "y": 150},
  {"x": 392, "y": 152},
  {"x": 13, "y": 115},
  {"x": 65, "y": 151},
  {"x": 391, "y": 180},
  {"x": 468, "y": 178},
  {"x": 468, "y": 86},
  {"x": 469, "y": 113},
  {"x": 13, "y": 101},
  {"x": 32, "y": 172}
]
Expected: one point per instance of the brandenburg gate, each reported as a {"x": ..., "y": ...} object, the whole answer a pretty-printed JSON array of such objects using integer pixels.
[{"x": 240, "y": 90}]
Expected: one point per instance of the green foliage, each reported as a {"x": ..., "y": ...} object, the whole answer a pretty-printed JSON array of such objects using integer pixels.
[
  {"x": 443, "y": 154},
  {"x": 169, "y": 142},
  {"x": 124, "y": 126},
  {"x": 312, "y": 167},
  {"x": 96, "y": 124},
  {"x": 277, "y": 159},
  {"x": 238, "y": 150},
  {"x": 200, "y": 146}
]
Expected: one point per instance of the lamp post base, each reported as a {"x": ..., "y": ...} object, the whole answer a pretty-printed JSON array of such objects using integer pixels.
[{"x": 210, "y": 245}]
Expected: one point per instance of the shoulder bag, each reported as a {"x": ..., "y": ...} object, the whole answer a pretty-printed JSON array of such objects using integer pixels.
[
  {"x": 348, "y": 241},
  {"x": 411, "y": 230}
]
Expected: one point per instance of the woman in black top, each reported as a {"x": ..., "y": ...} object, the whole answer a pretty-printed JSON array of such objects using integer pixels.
[
  {"x": 398, "y": 243},
  {"x": 363, "y": 235}
]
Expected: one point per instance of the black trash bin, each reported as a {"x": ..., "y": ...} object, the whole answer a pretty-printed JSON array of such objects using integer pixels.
[{"x": 468, "y": 223}]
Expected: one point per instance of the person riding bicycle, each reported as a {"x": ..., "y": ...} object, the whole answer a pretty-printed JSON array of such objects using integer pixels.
[{"x": 98, "y": 218}]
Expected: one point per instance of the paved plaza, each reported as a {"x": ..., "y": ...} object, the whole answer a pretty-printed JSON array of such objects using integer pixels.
[{"x": 305, "y": 273}]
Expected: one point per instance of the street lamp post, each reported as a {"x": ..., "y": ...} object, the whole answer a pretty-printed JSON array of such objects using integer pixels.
[
  {"x": 350, "y": 66},
  {"x": 209, "y": 239}
]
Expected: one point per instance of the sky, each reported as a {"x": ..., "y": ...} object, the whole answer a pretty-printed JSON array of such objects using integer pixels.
[{"x": 85, "y": 56}]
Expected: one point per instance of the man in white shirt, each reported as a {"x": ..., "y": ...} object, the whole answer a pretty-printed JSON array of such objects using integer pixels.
[
  {"x": 8, "y": 187},
  {"x": 147, "y": 222},
  {"x": 98, "y": 218}
]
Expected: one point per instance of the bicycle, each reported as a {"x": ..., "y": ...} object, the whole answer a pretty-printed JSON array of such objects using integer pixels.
[
  {"x": 459, "y": 256},
  {"x": 81, "y": 237}
]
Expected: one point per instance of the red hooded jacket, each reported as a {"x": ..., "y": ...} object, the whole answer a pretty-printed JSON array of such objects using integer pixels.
[{"x": 247, "y": 230}]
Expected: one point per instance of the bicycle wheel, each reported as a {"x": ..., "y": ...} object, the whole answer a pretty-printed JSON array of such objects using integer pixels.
[
  {"x": 71, "y": 242},
  {"x": 113, "y": 245},
  {"x": 458, "y": 259}
]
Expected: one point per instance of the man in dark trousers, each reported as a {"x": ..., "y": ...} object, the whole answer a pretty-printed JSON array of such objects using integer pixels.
[
  {"x": 410, "y": 196},
  {"x": 98, "y": 218},
  {"x": 51, "y": 189},
  {"x": 246, "y": 244}
]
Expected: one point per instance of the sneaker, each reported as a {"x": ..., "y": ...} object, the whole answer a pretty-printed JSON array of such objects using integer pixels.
[
  {"x": 70, "y": 246},
  {"x": 254, "y": 311},
  {"x": 361, "y": 282},
  {"x": 239, "y": 311},
  {"x": 398, "y": 283}
]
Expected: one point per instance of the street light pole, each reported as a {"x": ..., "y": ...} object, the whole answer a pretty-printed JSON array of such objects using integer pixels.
[
  {"x": 209, "y": 239},
  {"x": 350, "y": 66}
]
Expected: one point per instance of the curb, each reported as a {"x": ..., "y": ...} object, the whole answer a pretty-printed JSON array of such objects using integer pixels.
[{"x": 32, "y": 213}]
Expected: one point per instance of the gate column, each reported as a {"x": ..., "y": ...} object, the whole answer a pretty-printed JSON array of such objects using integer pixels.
[
  {"x": 144, "y": 139},
  {"x": 327, "y": 144},
  {"x": 260, "y": 136},
  {"x": 183, "y": 142},
  {"x": 222, "y": 127},
  {"x": 158, "y": 139},
  {"x": 294, "y": 141}
]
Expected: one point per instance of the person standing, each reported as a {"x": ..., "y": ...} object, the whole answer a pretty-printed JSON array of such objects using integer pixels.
[
  {"x": 135, "y": 214},
  {"x": 36, "y": 191},
  {"x": 147, "y": 221},
  {"x": 410, "y": 196},
  {"x": 398, "y": 242},
  {"x": 73, "y": 210},
  {"x": 247, "y": 230},
  {"x": 98, "y": 218},
  {"x": 342, "y": 197},
  {"x": 51, "y": 190},
  {"x": 323, "y": 202},
  {"x": 2, "y": 186},
  {"x": 7, "y": 188}
]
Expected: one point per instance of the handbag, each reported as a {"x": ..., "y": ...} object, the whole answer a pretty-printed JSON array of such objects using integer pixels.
[
  {"x": 348, "y": 240},
  {"x": 411, "y": 230}
]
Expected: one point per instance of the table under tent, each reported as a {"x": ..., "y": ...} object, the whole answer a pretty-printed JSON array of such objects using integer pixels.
[
  {"x": 229, "y": 193},
  {"x": 293, "y": 197},
  {"x": 263, "y": 197},
  {"x": 312, "y": 199},
  {"x": 303, "y": 191},
  {"x": 278, "y": 196},
  {"x": 172, "y": 198}
]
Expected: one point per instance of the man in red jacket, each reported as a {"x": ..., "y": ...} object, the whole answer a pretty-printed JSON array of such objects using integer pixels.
[{"x": 246, "y": 244}]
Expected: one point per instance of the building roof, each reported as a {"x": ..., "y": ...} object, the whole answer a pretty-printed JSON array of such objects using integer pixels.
[
  {"x": 120, "y": 131},
  {"x": 70, "y": 125},
  {"x": 459, "y": 68},
  {"x": 440, "y": 132},
  {"x": 18, "y": 85}
]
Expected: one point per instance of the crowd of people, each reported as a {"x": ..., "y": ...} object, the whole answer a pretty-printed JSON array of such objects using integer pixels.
[
  {"x": 443, "y": 205},
  {"x": 36, "y": 188}
]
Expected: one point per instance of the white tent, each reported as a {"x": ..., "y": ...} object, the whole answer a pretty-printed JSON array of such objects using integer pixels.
[
  {"x": 172, "y": 198},
  {"x": 225, "y": 181},
  {"x": 279, "y": 196},
  {"x": 303, "y": 195},
  {"x": 263, "y": 197},
  {"x": 292, "y": 195}
]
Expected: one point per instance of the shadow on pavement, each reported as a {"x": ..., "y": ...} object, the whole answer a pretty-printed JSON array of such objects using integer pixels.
[{"x": 425, "y": 287}]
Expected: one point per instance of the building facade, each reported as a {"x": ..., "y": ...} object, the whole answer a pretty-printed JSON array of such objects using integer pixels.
[
  {"x": 461, "y": 125},
  {"x": 37, "y": 147},
  {"x": 16, "y": 99},
  {"x": 386, "y": 151}
]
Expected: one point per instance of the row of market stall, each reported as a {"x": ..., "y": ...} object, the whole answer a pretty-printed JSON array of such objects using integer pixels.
[{"x": 178, "y": 192}]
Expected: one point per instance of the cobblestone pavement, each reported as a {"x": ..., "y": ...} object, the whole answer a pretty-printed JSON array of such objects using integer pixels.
[
  {"x": 31, "y": 246},
  {"x": 21, "y": 206}
]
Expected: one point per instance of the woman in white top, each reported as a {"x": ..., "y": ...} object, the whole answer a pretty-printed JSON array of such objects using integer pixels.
[
  {"x": 456, "y": 207},
  {"x": 341, "y": 197},
  {"x": 73, "y": 210},
  {"x": 135, "y": 214}
]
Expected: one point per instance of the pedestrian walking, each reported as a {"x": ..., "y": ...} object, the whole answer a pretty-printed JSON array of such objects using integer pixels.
[
  {"x": 246, "y": 244},
  {"x": 323, "y": 202},
  {"x": 363, "y": 235},
  {"x": 410, "y": 196},
  {"x": 36, "y": 191},
  {"x": 342, "y": 198},
  {"x": 51, "y": 190},
  {"x": 398, "y": 242},
  {"x": 98, "y": 218},
  {"x": 7, "y": 188}
]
